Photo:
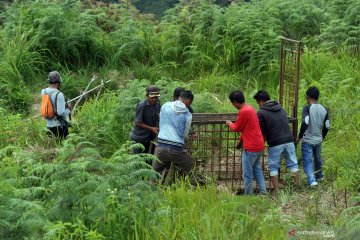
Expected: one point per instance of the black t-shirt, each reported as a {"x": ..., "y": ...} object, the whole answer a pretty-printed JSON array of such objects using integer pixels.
[
  {"x": 148, "y": 114},
  {"x": 274, "y": 124}
]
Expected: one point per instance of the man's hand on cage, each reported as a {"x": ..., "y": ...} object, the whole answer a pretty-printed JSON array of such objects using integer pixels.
[{"x": 228, "y": 123}]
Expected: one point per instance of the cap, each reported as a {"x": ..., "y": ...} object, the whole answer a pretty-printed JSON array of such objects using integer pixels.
[
  {"x": 153, "y": 91},
  {"x": 54, "y": 77}
]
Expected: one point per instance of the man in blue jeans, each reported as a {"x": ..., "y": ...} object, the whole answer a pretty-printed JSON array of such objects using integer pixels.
[
  {"x": 248, "y": 124},
  {"x": 275, "y": 128},
  {"x": 314, "y": 127}
]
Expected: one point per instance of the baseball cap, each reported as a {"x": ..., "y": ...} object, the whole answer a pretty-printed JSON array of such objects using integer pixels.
[
  {"x": 153, "y": 91},
  {"x": 54, "y": 77}
]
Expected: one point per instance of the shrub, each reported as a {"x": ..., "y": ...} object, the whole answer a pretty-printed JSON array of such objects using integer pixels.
[
  {"x": 16, "y": 130},
  {"x": 77, "y": 191}
]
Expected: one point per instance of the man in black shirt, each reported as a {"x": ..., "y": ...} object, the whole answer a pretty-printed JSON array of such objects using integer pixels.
[{"x": 146, "y": 123}]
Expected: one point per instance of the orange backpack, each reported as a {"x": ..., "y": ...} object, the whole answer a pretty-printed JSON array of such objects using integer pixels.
[{"x": 47, "y": 109}]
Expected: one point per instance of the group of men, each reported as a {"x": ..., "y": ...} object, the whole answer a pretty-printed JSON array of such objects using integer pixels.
[
  {"x": 170, "y": 124},
  {"x": 271, "y": 123}
]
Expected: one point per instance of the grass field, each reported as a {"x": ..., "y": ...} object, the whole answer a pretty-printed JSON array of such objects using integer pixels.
[{"x": 91, "y": 186}]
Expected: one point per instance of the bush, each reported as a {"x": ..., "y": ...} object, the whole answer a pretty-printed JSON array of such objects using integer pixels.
[
  {"x": 16, "y": 130},
  {"x": 77, "y": 191}
]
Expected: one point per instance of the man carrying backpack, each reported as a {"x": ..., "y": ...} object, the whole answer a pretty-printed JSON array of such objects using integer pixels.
[{"x": 53, "y": 107}]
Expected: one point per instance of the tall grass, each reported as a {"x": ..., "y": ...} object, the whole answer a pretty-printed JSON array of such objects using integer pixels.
[
  {"x": 16, "y": 130},
  {"x": 338, "y": 79},
  {"x": 18, "y": 68},
  {"x": 210, "y": 214}
]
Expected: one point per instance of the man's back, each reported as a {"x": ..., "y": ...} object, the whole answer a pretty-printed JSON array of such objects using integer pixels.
[
  {"x": 175, "y": 121},
  {"x": 274, "y": 124},
  {"x": 314, "y": 116},
  {"x": 248, "y": 123},
  {"x": 58, "y": 101}
]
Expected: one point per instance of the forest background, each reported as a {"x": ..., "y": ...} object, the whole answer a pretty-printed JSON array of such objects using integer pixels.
[{"x": 91, "y": 187}]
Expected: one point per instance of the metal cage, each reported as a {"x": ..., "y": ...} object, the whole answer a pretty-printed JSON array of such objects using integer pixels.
[{"x": 213, "y": 145}]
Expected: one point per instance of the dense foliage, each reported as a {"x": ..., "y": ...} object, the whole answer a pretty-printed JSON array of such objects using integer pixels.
[{"x": 91, "y": 187}]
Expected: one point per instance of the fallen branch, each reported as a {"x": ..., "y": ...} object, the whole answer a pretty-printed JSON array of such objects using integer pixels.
[{"x": 83, "y": 94}]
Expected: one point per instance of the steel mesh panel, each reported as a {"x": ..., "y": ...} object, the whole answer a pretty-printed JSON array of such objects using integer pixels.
[{"x": 289, "y": 77}]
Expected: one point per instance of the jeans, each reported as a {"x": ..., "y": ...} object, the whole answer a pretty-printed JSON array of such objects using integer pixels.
[
  {"x": 308, "y": 151},
  {"x": 251, "y": 167},
  {"x": 274, "y": 154}
]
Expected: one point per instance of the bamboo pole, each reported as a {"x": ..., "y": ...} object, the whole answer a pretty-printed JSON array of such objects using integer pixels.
[
  {"x": 83, "y": 95},
  {"x": 101, "y": 85}
]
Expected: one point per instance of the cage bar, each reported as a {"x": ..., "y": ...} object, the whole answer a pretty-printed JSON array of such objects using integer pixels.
[{"x": 290, "y": 53}]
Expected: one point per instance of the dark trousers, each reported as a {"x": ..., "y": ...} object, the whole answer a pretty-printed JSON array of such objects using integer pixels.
[
  {"x": 59, "y": 132},
  {"x": 146, "y": 145},
  {"x": 146, "y": 150},
  {"x": 180, "y": 157}
]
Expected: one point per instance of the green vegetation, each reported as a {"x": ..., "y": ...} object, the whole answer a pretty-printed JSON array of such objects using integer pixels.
[{"x": 91, "y": 187}]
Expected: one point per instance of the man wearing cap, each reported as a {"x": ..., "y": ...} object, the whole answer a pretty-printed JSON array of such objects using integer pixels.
[
  {"x": 58, "y": 125},
  {"x": 146, "y": 123}
]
